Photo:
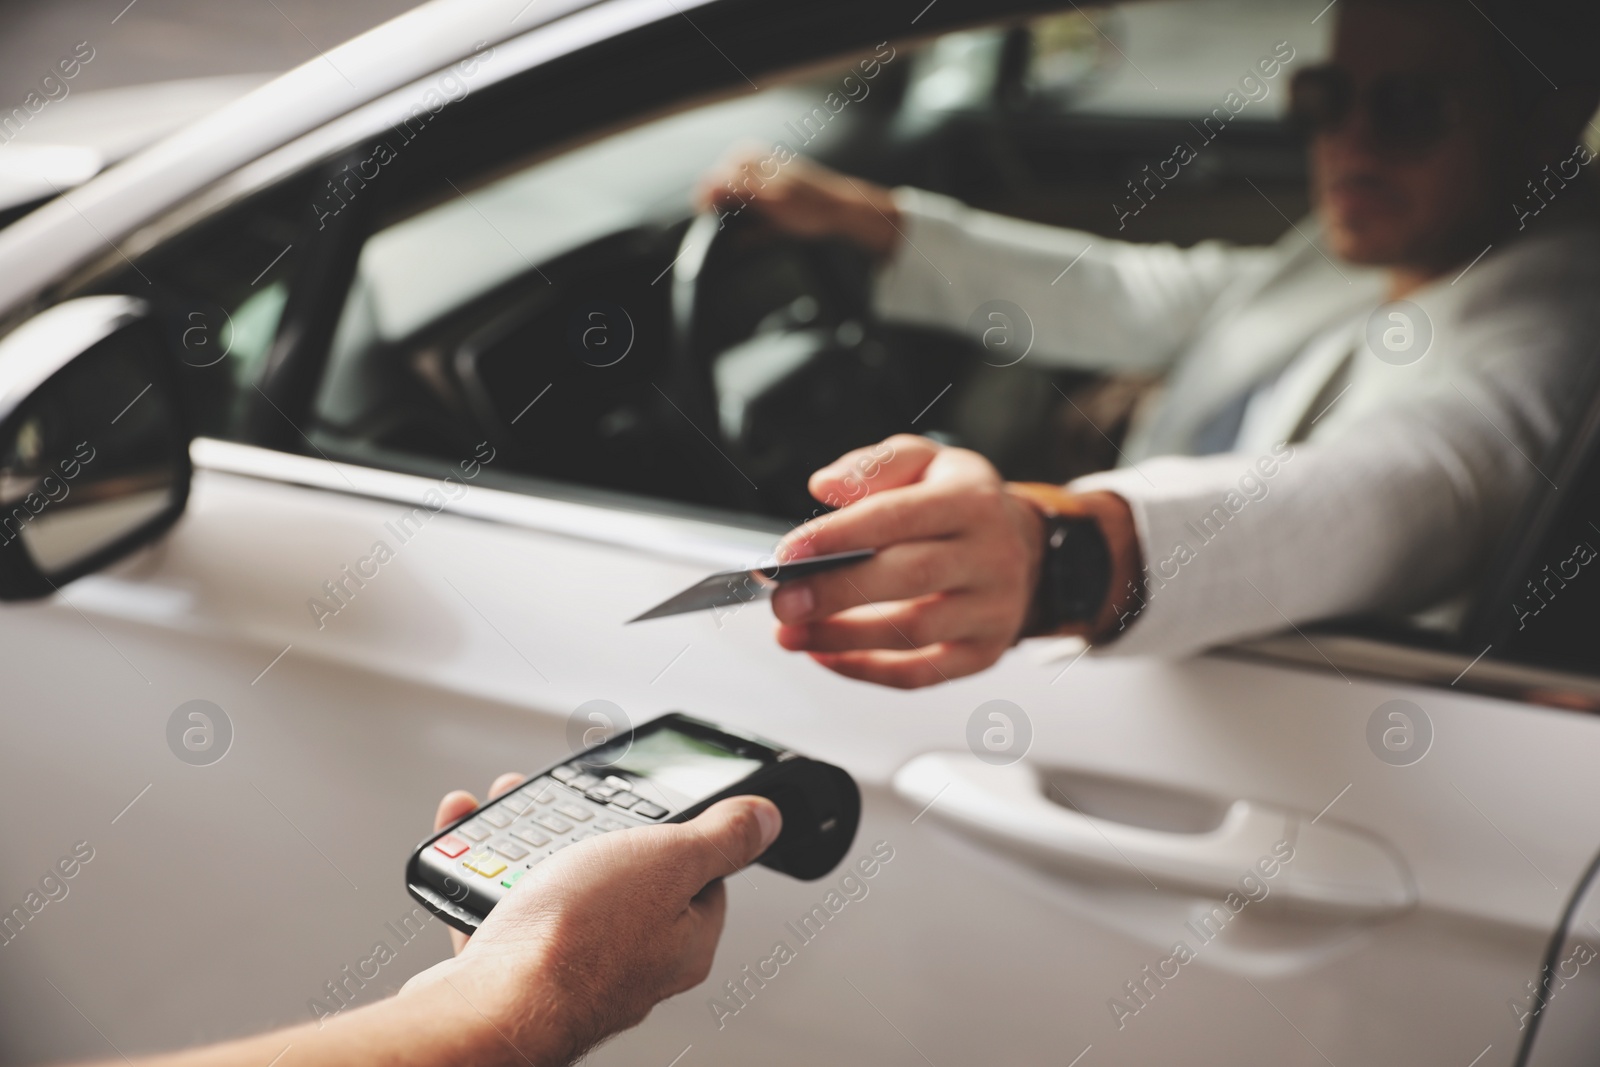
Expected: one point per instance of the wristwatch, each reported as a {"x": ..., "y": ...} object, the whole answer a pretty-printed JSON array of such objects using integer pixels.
[{"x": 1075, "y": 572}]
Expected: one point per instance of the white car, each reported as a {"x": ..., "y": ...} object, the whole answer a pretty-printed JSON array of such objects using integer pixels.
[{"x": 465, "y": 386}]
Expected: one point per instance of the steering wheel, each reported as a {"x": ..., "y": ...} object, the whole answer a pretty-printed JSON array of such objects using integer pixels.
[{"x": 774, "y": 347}]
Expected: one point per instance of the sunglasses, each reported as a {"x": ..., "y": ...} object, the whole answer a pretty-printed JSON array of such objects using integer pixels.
[{"x": 1405, "y": 112}]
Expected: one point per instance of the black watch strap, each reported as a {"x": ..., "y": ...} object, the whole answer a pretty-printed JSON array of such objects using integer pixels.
[{"x": 1075, "y": 572}]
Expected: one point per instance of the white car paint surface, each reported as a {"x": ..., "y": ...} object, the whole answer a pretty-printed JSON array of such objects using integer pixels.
[
  {"x": 257, "y": 879},
  {"x": 227, "y": 898}
]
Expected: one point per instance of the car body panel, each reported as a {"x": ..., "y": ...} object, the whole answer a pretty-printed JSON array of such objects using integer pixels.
[{"x": 468, "y": 651}]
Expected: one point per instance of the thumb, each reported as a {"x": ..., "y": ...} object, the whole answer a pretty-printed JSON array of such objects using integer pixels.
[{"x": 730, "y": 835}]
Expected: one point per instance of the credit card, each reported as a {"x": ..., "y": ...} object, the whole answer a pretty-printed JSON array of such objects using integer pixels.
[{"x": 757, "y": 583}]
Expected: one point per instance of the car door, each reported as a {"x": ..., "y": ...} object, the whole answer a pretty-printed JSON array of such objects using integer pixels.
[
  {"x": 475, "y": 645},
  {"x": 1357, "y": 867}
]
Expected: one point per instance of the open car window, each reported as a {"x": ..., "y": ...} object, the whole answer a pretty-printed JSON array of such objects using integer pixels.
[
  {"x": 541, "y": 302},
  {"x": 554, "y": 293},
  {"x": 533, "y": 304},
  {"x": 559, "y": 306},
  {"x": 416, "y": 270}
]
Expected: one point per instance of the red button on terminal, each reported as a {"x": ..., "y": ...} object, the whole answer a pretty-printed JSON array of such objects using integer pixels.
[{"x": 451, "y": 845}]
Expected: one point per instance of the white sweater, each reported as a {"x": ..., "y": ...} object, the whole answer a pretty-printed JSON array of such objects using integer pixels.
[{"x": 1402, "y": 486}]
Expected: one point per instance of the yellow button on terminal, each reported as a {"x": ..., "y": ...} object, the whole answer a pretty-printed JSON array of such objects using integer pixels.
[{"x": 484, "y": 863}]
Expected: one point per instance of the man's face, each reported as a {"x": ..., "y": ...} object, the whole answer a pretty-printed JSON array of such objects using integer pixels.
[{"x": 1423, "y": 202}]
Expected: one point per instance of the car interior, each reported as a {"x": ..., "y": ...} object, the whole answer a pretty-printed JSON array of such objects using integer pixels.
[
  {"x": 767, "y": 349},
  {"x": 518, "y": 278}
]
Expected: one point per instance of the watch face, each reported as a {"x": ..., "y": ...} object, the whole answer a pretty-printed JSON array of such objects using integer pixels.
[{"x": 1076, "y": 574}]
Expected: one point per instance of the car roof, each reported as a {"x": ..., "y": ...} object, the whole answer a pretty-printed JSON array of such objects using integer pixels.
[
  {"x": 40, "y": 248},
  {"x": 64, "y": 235},
  {"x": 80, "y": 136}
]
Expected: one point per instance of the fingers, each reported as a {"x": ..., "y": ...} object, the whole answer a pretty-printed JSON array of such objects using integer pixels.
[
  {"x": 802, "y": 198},
  {"x": 798, "y": 196},
  {"x": 505, "y": 784},
  {"x": 950, "y": 587},
  {"x": 922, "y": 490},
  {"x": 454, "y": 805},
  {"x": 943, "y": 662},
  {"x": 729, "y": 836},
  {"x": 899, "y": 572},
  {"x": 911, "y": 513},
  {"x": 892, "y": 463},
  {"x": 636, "y": 914},
  {"x": 713, "y": 190},
  {"x": 458, "y": 804},
  {"x": 905, "y": 625}
]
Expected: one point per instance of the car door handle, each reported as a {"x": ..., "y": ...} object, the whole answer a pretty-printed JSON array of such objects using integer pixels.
[{"x": 1334, "y": 870}]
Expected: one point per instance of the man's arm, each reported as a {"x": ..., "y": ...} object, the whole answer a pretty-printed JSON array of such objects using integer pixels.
[
  {"x": 1090, "y": 302},
  {"x": 1390, "y": 516},
  {"x": 1202, "y": 550},
  {"x": 636, "y": 913},
  {"x": 1400, "y": 493},
  {"x": 1402, "y": 490},
  {"x": 1390, "y": 509},
  {"x": 431, "y": 1030}
]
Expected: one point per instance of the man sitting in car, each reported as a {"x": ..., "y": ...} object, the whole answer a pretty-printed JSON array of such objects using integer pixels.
[{"x": 1348, "y": 418}]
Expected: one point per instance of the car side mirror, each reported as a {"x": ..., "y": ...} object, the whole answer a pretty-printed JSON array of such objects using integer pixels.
[{"x": 94, "y": 451}]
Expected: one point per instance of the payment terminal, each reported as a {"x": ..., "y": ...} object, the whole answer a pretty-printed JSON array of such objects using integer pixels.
[{"x": 668, "y": 770}]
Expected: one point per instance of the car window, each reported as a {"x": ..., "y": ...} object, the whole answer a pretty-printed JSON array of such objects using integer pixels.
[
  {"x": 557, "y": 296},
  {"x": 1171, "y": 59},
  {"x": 442, "y": 258},
  {"x": 533, "y": 304},
  {"x": 223, "y": 288},
  {"x": 540, "y": 303},
  {"x": 1543, "y": 609}
]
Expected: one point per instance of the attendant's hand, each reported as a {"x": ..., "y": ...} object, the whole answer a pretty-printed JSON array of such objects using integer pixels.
[
  {"x": 595, "y": 936},
  {"x": 952, "y": 585},
  {"x": 584, "y": 946},
  {"x": 802, "y": 198},
  {"x": 458, "y": 804}
]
